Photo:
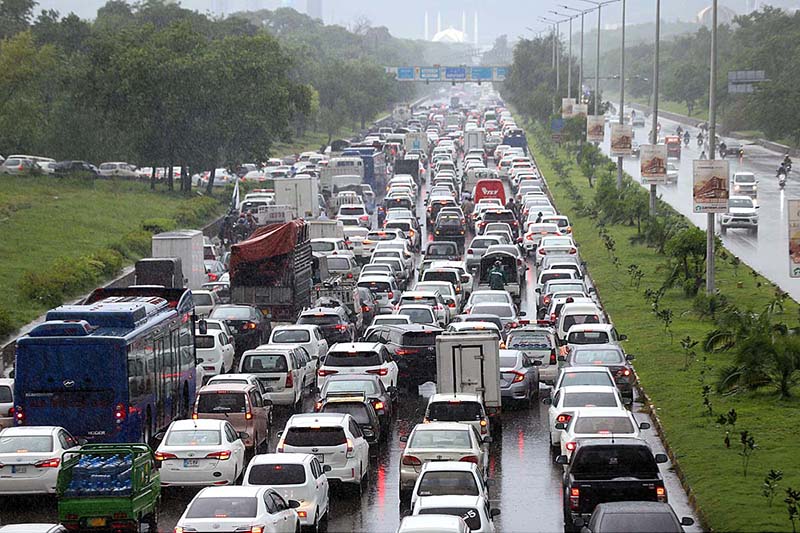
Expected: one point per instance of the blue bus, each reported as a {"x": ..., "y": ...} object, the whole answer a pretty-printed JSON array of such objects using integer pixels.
[{"x": 117, "y": 368}]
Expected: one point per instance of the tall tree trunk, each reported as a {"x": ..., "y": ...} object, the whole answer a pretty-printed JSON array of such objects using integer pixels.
[
  {"x": 210, "y": 186},
  {"x": 153, "y": 179},
  {"x": 170, "y": 179},
  {"x": 184, "y": 180}
]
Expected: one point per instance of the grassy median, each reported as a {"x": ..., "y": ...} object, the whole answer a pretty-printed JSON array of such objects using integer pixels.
[{"x": 728, "y": 500}]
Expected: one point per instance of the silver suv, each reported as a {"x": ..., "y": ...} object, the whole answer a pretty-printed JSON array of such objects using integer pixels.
[{"x": 742, "y": 213}]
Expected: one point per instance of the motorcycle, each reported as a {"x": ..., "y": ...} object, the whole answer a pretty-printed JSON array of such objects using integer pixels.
[
  {"x": 686, "y": 141},
  {"x": 699, "y": 142},
  {"x": 781, "y": 181}
]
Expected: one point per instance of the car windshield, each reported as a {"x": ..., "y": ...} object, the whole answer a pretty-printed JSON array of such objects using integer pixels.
[
  {"x": 277, "y": 474},
  {"x": 456, "y": 483},
  {"x": 603, "y": 425},
  {"x": 223, "y": 507},
  {"x": 597, "y": 357},
  {"x": 503, "y": 311},
  {"x": 490, "y": 297},
  {"x": 441, "y": 439},
  {"x": 338, "y": 263},
  {"x": 26, "y": 444},
  {"x": 586, "y": 378},
  {"x": 744, "y": 178},
  {"x": 609, "y": 462},
  {"x": 588, "y": 337},
  {"x": 418, "y": 316},
  {"x": 290, "y": 336},
  {"x": 354, "y": 358},
  {"x": 471, "y": 516},
  {"x": 322, "y": 246},
  {"x": 231, "y": 313},
  {"x": 315, "y": 436},
  {"x": 357, "y": 410},
  {"x": 357, "y": 385},
  {"x": 261, "y": 363},
  {"x": 740, "y": 202},
  {"x": 454, "y": 411},
  {"x": 194, "y": 437},
  {"x": 204, "y": 341},
  {"x": 589, "y": 399},
  {"x": 221, "y": 402}
]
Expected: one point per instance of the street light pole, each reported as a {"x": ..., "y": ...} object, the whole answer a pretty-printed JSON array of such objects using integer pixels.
[
  {"x": 580, "y": 68},
  {"x": 653, "y": 131},
  {"x": 597, "y": 57},
  {"x": 621, "y": 93},
  {"x": 569, "y": 57},
  {"x": 557, "y": 52},
  {"x": 712, "y": 135}
]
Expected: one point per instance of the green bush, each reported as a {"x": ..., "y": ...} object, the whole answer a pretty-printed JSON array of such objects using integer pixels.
[
  {"x": 196, "y": 211},
  {"x": 137, "y": 243},
  {"x": 158, "y": 225},
  {"x": 6, "y": 324}
]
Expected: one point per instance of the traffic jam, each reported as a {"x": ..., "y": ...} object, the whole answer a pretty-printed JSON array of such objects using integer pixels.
[{"x": 410, "y": 342}]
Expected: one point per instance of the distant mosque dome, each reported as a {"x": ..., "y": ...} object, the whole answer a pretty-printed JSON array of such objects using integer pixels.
[
  {"x": 725, "y": 15},
  {"x": 450, "y": 35}
]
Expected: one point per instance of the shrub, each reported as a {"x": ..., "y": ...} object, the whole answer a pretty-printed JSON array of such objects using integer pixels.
[
  {"x": 196, "y": 211},
  {"x": 137, "y": 243},
  {"x": 158, "y": 225},
  {"x": 6, "y": 325}
]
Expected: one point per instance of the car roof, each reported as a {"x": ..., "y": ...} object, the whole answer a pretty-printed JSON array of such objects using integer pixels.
[
  {"x": 634, "y": 507},
  {"x": 433, "y": 426},
  {"x": 355, "y": 347},
  {"x": 233, "y": 387},
  {"x": 415, "y": 306},
  {"x": 316, "y": 419},
  {"x": 294, "y": 327},
  {"x": 579, "y": 306},
  {"x": 455, "y": 397},
  {"x": 278, "y": 458},
  {"x": 589, "y": 388},
  {"x": 235, "y": 491},
  {"x": 200, "y": 423},
  {"x": 449, "y": 466},
  {"x": 587, "y": 347},
  {"x": 591, "y": 327},
  {"x": 475, "y": 325},
  {"x": 424, "y": 294},
  {"x": 30, "y": 430},
  {"x": 598, "y": 368}
]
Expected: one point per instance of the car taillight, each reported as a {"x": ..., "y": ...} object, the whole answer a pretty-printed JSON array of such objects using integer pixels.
[
  {"x": 451, "y": 305},
  {"x": 529, "y": 236},
  {"x": 163, "y": 456},
  {"x": 212, "y": 276},
  {"x": 518, "y": 376},
  {"x": 349, "y": 275},
  {"x": 661, "y": 494},
  {"x": 553, "y": 359},
  {"x": 222, "y": 456},
  {"x": 541, "y": 251},
  {"x": 364, "y": 308},
  {"x": 340, "y": 327},
  {"x": 363, "y": 217},
  {"x": 406, "y": 351},
  {"x": 323, "y": 373},
  {"x": 350, "y": 449},
  {"x": 563, "y": 418},
  {"x": 511, "y": 325},
  {"x": 260, "y": 529},
  {"x": 378, "y": 406},
  {"x": 289, "y": 380},
  {"x": 573, "y": 251},
  {"x": 546, "y": 300},
  {"x": 483, "y": 424},
  {"x": 469, "y": 459},
  {"x": 390, "y": 294},
  {"x": 48, "y": 463},
  {"x": 574, "y": 498},
  {"x": 410, "y": 460},
  {"x": 470, "y": 251},
  {"x": 570, "y": 446},
  {"x": 120, "y": 412},
  {"x": 553, "y": 318},
  {"x": 379, "y": 371},
  {"x": 250, "y": 325},
  {"x": 623, "y": 373}
]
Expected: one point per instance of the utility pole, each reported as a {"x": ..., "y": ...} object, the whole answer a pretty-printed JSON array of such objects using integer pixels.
[
  {"x": 569, "y": 57},
  {"x": 712, "y": 135},
  {"x": 597, "y": 57},
  {"x": 621, "y": 93},
  {"x": 580, "y": 68},
  {"x": 653, "y": 131}
]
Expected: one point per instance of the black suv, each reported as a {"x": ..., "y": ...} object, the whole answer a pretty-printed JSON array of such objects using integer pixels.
[
  {"x": 449, "y": 227},
  {"x": 435, "y": 205},
  {"x": 413, "y": 347},
  {"x": 249, "y": 327},
  {"x": 362, "y": 411},
  {"x": 499, "y": 215},
  {"x": 333, "y": 322}
]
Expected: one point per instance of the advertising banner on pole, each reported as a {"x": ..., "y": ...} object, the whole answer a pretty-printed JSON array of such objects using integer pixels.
[
  {"x": 793, "y": 208},
  {"x": 566, "y": 107},
  {"x": 595, "y": 128},
  {"x": 621, "y": 139},
  {"x": 556, "y": 125},
  {"x": 710, "y": 189},
  {"x": 653, "y": 163},
  {"x": 580, "y": 109}
]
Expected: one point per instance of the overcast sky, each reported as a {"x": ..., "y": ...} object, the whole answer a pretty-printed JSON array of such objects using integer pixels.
[{"x": 405, "y": 18}]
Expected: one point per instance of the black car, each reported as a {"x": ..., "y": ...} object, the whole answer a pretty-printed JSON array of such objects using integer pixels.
[
  {"x": 499, "y": 215},
  {"x": 63, "y": 168},
  {"x": 449, "y": 228},
  {"x": 435, "y": 205},
  {"x": 333, "y": 322},
  {"x": 442, "y": 251},
  {"x": 362, "y": 411},
  {"x": 413, "y": 347},
  {"x": 382, "y": 399},
  {"x": 635, "y": 516},
  {"x": 249, "y": 327}
]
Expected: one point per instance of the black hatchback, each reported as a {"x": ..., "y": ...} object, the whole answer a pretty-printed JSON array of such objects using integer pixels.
[
  {"x": 413, "y": 347},
  {"x": 249, "y": 327},
  {"x": 333, "y": 322},
  {"x": 449, "y": 228}
]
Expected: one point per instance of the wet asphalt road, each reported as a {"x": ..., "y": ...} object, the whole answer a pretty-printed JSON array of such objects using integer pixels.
[{"x": 766, "y": 251}]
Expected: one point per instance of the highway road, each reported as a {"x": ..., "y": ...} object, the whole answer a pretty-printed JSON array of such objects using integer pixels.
[{"x": 766, "y": 251}]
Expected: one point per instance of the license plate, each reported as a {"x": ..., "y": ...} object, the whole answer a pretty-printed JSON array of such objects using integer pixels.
[
  {"x": 18, "y": 469},
  {"x": 320, "y": 457},
  {"x": 96, "y": 522},
  {"x": 190, "y": 463}
]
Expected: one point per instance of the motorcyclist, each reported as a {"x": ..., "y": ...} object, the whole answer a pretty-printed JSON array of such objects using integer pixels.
[
  {"x": 497, "y": 277},
  {"x": 468, "y": 207},
  {"x": 679, "y": 130},
  {"x": 723, "y": 149},
  {"x": 703, "y": 155},
  {"x": 686, "y": 138},
  {"x": 781, "y": 171},
  {"x": 539, "y": 217},
  {"x": 787, "y": 162},
  {"x": 699, "y": 138}
]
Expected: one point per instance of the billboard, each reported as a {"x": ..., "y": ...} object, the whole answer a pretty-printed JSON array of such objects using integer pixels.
[
  {"x": 710, "y": 191},
  {"x": 500, "y": 73},
  {"x": 580, "y": 109},
  {"x": 429, "y": 73},
  {"x": 406, "y": 73},
  {"x": 556, "y": 125},
  {"x": 566, "y": 107},
  {"x": 621, "y": 139},
  {"x": 653, "y": 163},
  {"x": 480, "y": 73},
  {"x": 793, "y": 208},
  {"x": 455, "y": 73},
  {"x": 595, "y": 128}
]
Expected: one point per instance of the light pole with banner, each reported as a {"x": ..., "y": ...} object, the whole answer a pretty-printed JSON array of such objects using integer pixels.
[
  {"x": 653, "y": 130},
  {"x": 712, "y": 135},
  {"x": 569, "y": 57},
  {"x": 580, "y": 68},
  {"x": 597, "y": 57}
]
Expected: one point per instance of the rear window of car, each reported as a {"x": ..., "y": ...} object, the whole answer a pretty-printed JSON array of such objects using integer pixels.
[
  {"x": 202, "y": 299},
  {"x": 375, "y": 286},
  {"x": 351, "y": 211},
  {"x": 5, "y": 394},
  {"x": 441, "y": 438},
  {"x": 358, "y": 411},
  {"x": 555, "y": 275},
  {"x": 418, "y": 316},
  {"x": 221, "y": 402},
  {"x": 26, "y": 443},
  {"x": 424, "y": 300},
  {"x": 439, "y": 275},
  {"x": 356, "y": 385},
  {"x": 589, "y": 399},
  {"x": 442, "y": 249},
  {"x": 317, "y": 436},
  {"x": 405, "y": 226},
  {"x": 588, "y": 337},
  {"x": 194, "y": 437},
  {"x": 508, "y": 361},
  {"x": 338, "y": 263},
  {"x": 608, "y": 462},
  {"x": 571, "y": 320},
  {"x": 231, "y": 313},
  {"x": 260, "y": 363},
  {"x": 277, "y": 474},
  {"x": 290, "y": 336},
  {"x": 204, "y": 341},
  {"x": 448, "y": 483},
  {"x": 503, "y": 311},
  {"x": 493, "y": 216},
  {"x": 596, "y": 357},
  {"x": 639, "y": 521},
  {"x": 319, "y": 319},
  {"x": 322, "y": 246},
  {"x": 586, "y": 378},
  {"x": 454, "y": 411},
  {"x": 356, "y": 358},
  {"x": 471, "y": 516},
  {"x": 482, "y": 243},
  {"x": 419, "y": 338},
  {"x": 223, "y": 507}
]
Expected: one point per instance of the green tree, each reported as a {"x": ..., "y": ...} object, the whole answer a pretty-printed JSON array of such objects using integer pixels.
[{"x": 16, "y": 16}]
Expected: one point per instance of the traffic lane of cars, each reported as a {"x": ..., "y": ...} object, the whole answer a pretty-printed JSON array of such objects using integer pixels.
[{"x": 757, "y": 250}]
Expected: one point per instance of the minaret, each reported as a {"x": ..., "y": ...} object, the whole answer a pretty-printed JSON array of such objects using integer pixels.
[
  {"x": 475, "y": 29},
  {"x": 464, "y": 22},
  {"x": 426, "y": 26},
  {"x": 438, "y": 21}
]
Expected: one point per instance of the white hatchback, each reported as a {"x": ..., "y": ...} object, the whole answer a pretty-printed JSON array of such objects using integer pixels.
[
  {"x": 449, "y": 478},
  {"x": 359, "y": 358},
  {"x": 298, "y": 476},
  {"x": 214, "y": 352},
  {"x": 30, "y": 458},
  {"x": 306, "y": 335},
  {"x": 565, "y": 401},
  {"x": 200, "y": 452},
  {"x": 473, "y": 509},
  {"x": 596, "y": 422}
]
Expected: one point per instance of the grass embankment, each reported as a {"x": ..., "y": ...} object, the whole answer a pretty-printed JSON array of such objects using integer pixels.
[
  {"x": 728, "y": 500},
  {"x": 77, "y": 230}
]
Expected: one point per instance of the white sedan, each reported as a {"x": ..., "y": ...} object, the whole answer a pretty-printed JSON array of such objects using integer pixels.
[
  {"x": 566, "y": 400},
  {"x": 555, "y": 246},
  {"x": 30, "y": 458},
  {"x": 240, "y": 509},
  {"x": 200, "y": 452},
  {"x": 487, "y": 296},
  {"x": 596, "y": 422}
]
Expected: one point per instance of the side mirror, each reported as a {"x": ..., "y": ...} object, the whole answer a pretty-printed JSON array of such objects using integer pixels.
[
  {"x": 465, "y": 279},
  {"x": 644, "y": 425},
  {"x": 404, "y": 438},
  {"x": 244, "y": 435},
  {"x": 547, "y": 401},
  {"x": 627, "y": 401},
  {"x": 623, "y": 337},
  {"x": 537, "y": 362},
  {"x": 82, "y": 441},
  {"x": 687, "y": 521},
  {"x": 561, "y": 425},
  {"x": 661, "y": 458},
  {"x": 537, "y": 290},
  {"x": 392, "y": 390},
  {"x": 562, "y": 359},
  {"x": 202, "y": 326},
  {"x": 160, "y": 435},
  {"x": 293, "y": 504},
  {"x": 521, "y": 313},
  {"x": 494, "y": 512},
  {"x": 280, "y": 434},
  {"x": 200, "y": 360},
  {"x": 562, "y": 460},
  {"x": 487, "y": 440},
  {"x": 630, "y": 357},
  {"x": 267, "y": 402}
]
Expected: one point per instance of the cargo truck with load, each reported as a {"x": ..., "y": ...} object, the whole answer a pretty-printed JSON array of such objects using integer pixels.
[
  {"x": 374, "y": 165},
  {"x": 408, "y": 166},
  {"x": 109, "y": 487},
  {"x": 163, "y": 271},
  {"x": 471, "y": 363},
  {"x": 517, "y": 139},
  {"x": 416, "y": 141},
  {"x": 187, "y": 245},
  {"x": 272, "y": 270},
  {"x": 341, "y": 172}
]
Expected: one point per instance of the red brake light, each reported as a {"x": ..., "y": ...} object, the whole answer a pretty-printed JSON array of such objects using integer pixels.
[
  {"x": 563, "y": 418},
  {"x": 379, "y": 371},
  {"x": 163, "y": 456},
  {"x": 410, "y": 460},
  {"x": 119, "y": 412},
  {"x": 661, "y": 494},
  {"x": 48, "y": 463},
  {"x": 469, "y": 459},
  {"x": 518, "y": 376},
  {"x": 322, "y": 372},
  {"x": 391, "y": 294},
  {"x": 250, "y": 325},
  {"x": 289, "y": 380},
  {"x": 406, "y": 351},
  {"x": 222, "y": 456},
  {"x": 470, "y": 251},
  {"x": 570, "y": 446},
  {"x": 574, "y": 498},
  {"x": 341, "y": 327},
  {"x": 378, "y": 406},
  {"x": 553, "y": 359},
  {"x": 573, "y": 251}
]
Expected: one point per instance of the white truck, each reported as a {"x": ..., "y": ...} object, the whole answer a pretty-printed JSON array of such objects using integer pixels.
[
  {"x": 325, "y": 229},
  {"x": 186, "y": 245},
  {"x": 301, "y": 194},
  {"x": 341, "y": 172},
  {"x": 474, "y": 139},
  {"x": 470, "y": 363},
  {"x": 416, "y": 141}
]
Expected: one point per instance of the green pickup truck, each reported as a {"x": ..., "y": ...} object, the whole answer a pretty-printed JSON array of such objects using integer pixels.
[{"x": 109, "y": 487}]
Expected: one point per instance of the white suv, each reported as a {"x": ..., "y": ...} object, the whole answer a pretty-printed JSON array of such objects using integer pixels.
[
  {"x": 296, "y": 476},
  {"x": 336, "y": 441},
  {"x": 359, "y": 358}
]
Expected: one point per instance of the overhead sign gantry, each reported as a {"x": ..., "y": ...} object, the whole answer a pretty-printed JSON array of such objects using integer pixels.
[{"x": 454, "y": 74}]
